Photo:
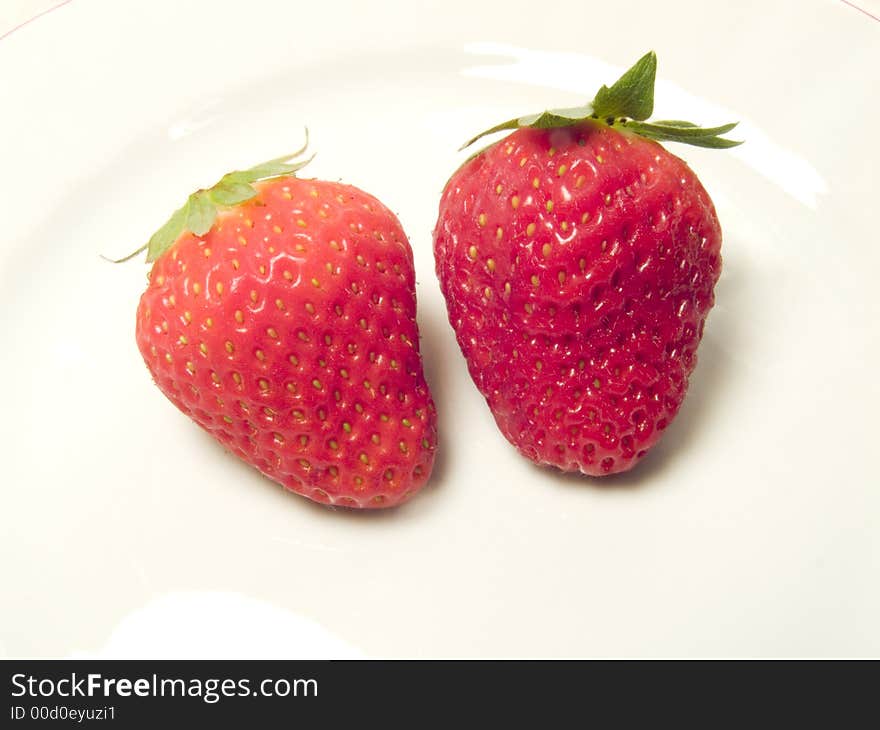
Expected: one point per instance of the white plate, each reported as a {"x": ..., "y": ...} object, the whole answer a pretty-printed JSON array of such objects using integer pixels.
[{"x": 751, "y": 530}]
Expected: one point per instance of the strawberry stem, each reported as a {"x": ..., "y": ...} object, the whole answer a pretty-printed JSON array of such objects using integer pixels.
[
  {"x": 198, "y": 213},
  {"x": 626, "y": 104}
]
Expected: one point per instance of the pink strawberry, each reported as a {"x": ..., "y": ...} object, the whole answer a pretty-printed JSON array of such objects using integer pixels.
[
  {"x": 578, "y": 260},
  {"x": 281, "y": 317}
]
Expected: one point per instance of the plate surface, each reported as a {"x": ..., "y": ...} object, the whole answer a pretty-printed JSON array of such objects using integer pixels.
[{"x": 752, "y": 530}]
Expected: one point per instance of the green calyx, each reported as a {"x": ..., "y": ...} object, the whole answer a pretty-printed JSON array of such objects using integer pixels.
[
  {"x": 626, "y": 104},
  {"x": 198, "y": 213}
]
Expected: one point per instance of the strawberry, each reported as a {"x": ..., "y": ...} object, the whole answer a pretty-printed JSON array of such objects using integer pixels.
[
  {"x": 578, "y": 260},
  {"x": 280, "y": 316}
]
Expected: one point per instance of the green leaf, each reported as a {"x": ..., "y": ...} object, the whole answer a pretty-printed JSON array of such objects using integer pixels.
[
  {"x": 162, "y": 239},
  {"x": 509, "y": 124},
  {"x": 200, "y": 214},
  {"x": 545, "y": 120},
  {"x": 284, "y": 165},
  {"x": 556, "y": 117},
  {"x": 274, "y": 168},
  {"x": 675, "y": 123},
  {"x": 716, "y": 143},
  {"x": 632, "y": 95},
  {"x": 624, "y": 105},
  {"x": 684, "y": 132},
  {"x": 231, "y": 192}
]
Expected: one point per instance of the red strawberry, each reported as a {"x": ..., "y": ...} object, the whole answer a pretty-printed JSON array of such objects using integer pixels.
[
  {"x": 284, "y": 324},
  {"x": 578, "y": 260}
]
